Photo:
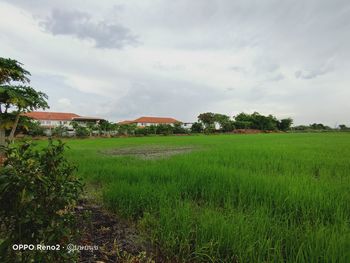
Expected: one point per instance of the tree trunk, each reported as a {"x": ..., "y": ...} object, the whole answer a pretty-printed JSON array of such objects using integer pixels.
[
  {"x": 2, "y": 143},
  {"x": 2, "y": 137},
  {"x": 14, "y": 127}
]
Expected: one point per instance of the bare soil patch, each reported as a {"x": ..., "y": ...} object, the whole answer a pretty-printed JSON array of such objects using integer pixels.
[
  {"x": 149, "y": 152},
  {"x": 117, "y": 240}
]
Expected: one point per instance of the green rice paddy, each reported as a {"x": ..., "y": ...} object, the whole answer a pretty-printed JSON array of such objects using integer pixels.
[{"x": 231, "y": 198}]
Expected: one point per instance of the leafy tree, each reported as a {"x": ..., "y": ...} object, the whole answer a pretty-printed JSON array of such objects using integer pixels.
[
  {"x": 152, "y": 129},
  {"x": 319, "y": 126},
  {"x": 224, "y": 121},
  {"x": 285, "y": 124},
  {"x": 178, "y": 129},
  {"x": 60, "y": 131},
  {"x": 227, "y": 126},
  {"x": 38, "y": 192},
  {"x": 106, "y": 127},
  {"x": 243, "y": 121},
  {"x": 80, "y": 131},
  {"x": 243, "y": 124},
  {"x": 165, "y": 129},
  {"x": 208, "y": 119},
  {"x": 301, "y": 128},
  {"x": 197, "y": 127},
  {"x": 29, "y": 126},
  {"x": 343, "y": 127},
  {"x": 92, "y": 128},
  {"x": 16, "y": 99},
  {"x": 256, "y": 121}
]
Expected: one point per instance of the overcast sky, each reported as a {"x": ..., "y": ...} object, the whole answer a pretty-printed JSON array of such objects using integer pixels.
[{"x": 125, "y": 59}]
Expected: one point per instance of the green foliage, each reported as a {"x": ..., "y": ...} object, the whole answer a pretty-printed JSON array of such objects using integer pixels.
[
  {"x": 243, "y": 124},
  {"x": 241, "y": 121},
  {"x": 165, "y": 129},
  {"x": 18, "y": 98},
  {"x": 161, "y": 129},
  {"x": 319, "y": 126},
  {"x": 127, "y": 129},
  {"x": 80, "y": 131},
  {"x": 28, "y": 126},
  {"x": 37, "y": 192},
  {"x": 227, "y": 126},
  {"x": 105, "y": 127},
  {"x": 178, "y": 129},
  {"x": 24, "y": 98},
  {"x": 343, "y": 127},
  {"x": 12, "y": 70},
  {"x": 60, "y": 131},
  {"x": 256, "y": 121},
  {"x": 312, "y": 127},
  {"x": 285, "y": 124},
  {"x": 197, "y": 127},
  {"x": 208, "y": 119}
]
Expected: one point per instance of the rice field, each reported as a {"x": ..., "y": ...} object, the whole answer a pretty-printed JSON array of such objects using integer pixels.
[{"x": 228, "y": 198}]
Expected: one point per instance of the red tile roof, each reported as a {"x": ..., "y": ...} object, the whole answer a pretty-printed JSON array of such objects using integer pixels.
[
  {"x": 43, "y": 115},
  {"x": 155, "y": 120},
  {"x": 125, "y": 122}
]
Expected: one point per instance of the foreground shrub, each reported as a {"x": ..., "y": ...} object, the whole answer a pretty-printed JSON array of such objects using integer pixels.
[{"x": 37, "y": 192}]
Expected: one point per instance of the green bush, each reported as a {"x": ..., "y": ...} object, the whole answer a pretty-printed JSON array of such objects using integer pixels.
[
  {"x": 60, "y": 131},
  {"x": 37, "y": 193},
  {"x": 81, "y": 131}
]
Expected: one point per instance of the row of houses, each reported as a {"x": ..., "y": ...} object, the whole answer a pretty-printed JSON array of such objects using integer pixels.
[{"x": 51, "y": 120}]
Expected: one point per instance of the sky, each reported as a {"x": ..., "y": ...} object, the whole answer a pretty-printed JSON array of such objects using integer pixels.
[{"x": 125, "y": 59}]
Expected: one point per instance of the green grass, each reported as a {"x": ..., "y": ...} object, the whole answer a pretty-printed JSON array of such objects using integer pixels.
[{"x": 244, "y": 198}]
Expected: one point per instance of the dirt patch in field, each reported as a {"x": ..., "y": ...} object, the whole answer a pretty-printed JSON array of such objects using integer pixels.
[
  {"x": 117, "y": 240},
  {"x": 149, "y": 152}
]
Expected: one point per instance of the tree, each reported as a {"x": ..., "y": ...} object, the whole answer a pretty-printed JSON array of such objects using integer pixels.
[
  {"x": 92, "y": 127},
  {"x": 285, "y": 124},
  {"x": 127, "y": 129},
  {"x": 343, "y": 127},
  {"x": 178, "y": 129},
  {"x": 16, "y": 99},
  {"x": 207, "y": 118},
  {"x": 165, "y": 129},
  {"x": 60, "y": 131},
  {"x": 319, "y": 126},
  {"x": 197, "y": 127},
  {"x": 243, "y": 121},
  {"x": 226, "y": 125},
  {"x": 29, "y": 126},
  {"x": 80, "y": 131},
  {"x": 38, "y": 193},
  {"x": 105, "y": 127},
  {"x": 256, "y": 121}
]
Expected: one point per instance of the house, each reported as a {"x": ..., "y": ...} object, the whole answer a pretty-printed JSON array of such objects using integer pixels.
[
  {"x": 51, "y": 120},
  {"x": 148, "y": 121},
  {"x": 187, "y": 125}
]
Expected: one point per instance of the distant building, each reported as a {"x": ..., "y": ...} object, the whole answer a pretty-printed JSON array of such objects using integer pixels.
[
  {"x": 187, "y": 125},
  {"x": 50, "y": 120},
  {"x": 148, "y": 121}
]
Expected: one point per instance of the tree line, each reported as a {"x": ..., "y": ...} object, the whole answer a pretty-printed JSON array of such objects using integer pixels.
[{"x": 210, "y": 122}]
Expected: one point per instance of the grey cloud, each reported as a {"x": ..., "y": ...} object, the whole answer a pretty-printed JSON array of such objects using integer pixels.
[
  {"x": 300, "y": 74},
  {"x": 83, "y": 26}
]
